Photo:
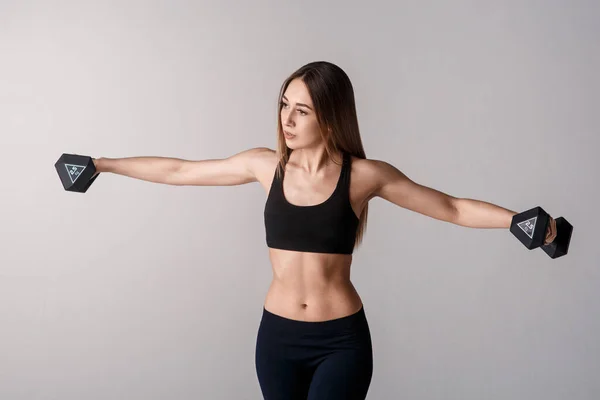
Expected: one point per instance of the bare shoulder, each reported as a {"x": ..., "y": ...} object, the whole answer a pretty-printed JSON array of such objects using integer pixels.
[
  {"x": 372, "y": 168},
  {"x": 362, "y": 181},
  {"x": 263, "y": 158},
  {"x": 367, "y": 169},
  {"x": 369, "y": 175},
  {"x": 364, "y": 165},
  {"x": 258, "y": 153},
  {"x": 263, "y": 162}
]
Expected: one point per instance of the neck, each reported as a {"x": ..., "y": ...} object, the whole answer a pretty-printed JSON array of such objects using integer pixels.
[{"x": 313, "y": 161}]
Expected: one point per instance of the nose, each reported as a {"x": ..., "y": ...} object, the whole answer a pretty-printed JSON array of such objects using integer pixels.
[{"x": 286, "y": 118}]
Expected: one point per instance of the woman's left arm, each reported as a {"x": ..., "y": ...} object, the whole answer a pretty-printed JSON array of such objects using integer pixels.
[{"x": 392, "y": 185}]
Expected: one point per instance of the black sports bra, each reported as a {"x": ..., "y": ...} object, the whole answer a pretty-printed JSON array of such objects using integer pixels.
[{"x": 328, "y": 227}]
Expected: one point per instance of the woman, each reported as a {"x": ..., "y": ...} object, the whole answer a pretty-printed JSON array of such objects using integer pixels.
[{"x": 313, "y": 340}]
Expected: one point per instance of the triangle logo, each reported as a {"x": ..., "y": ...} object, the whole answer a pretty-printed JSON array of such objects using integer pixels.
[
  {"x": 74, "y": 171},
  {"x": 528, "y": 226}
]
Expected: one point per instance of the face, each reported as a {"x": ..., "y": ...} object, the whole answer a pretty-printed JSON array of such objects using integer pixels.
[{"x": 298, "y": 117}]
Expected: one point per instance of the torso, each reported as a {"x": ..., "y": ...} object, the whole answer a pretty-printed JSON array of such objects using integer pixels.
[{"x": 312, "y": 286}]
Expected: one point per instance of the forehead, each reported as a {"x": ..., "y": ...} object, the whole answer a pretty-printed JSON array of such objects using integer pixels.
[{"x": 297, "y": 92}]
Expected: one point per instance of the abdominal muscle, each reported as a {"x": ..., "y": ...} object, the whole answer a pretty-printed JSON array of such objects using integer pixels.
[{"x": 311, "y": 287}]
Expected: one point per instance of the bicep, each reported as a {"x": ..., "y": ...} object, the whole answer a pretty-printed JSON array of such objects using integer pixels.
[
  {"x": 394, "y": 186},
  {"x": 237, "y": 169}
]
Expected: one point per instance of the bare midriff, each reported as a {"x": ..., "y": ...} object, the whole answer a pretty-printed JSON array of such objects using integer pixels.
[{"x": 311, "y": 287}]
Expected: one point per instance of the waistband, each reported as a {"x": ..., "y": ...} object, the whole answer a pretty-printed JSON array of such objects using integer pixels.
[{"x": 352, "y": 322}]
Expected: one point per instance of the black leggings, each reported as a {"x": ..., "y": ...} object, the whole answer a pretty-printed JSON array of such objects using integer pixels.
[{"x": 325, "y": 360}]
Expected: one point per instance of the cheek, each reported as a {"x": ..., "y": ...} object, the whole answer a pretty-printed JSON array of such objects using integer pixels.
[
  {"x": 308, "y": 125},
  {"x": 315, "y": 129}
]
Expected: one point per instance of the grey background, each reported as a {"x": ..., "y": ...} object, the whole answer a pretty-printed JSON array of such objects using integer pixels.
[{"x": 145, "y": 291}]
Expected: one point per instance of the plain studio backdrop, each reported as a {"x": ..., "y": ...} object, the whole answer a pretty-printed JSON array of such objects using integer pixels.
[{"x": 138, "y": 290}]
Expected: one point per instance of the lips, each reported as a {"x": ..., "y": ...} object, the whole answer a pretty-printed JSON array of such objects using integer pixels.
[{"x": 288, "y": 134}]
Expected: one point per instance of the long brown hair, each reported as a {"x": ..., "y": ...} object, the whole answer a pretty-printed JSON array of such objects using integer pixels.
[{"x": 332, "y": 95}]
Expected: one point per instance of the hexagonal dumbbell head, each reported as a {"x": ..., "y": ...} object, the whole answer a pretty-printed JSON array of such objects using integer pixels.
[{"x": 76, "y": 172}]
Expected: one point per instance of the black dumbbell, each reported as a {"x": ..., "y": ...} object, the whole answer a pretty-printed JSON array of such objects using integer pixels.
[
  {"x": 77, "y": 173},
  {"x": 530, "y": 228}
]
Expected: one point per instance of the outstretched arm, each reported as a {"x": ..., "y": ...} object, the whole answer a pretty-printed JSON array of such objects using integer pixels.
[
  {"x": 394, "y": 186},
  {"x": 237, "y": 169}
]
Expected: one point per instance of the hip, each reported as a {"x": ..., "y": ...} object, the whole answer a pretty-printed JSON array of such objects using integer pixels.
[{"x": 303, "y": 340}]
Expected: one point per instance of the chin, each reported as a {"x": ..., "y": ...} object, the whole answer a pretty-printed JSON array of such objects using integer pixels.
[{"x": 292, "y": 144}]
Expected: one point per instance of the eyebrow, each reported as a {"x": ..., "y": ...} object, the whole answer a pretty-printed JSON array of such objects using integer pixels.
[{"x": 298, "y": 104}]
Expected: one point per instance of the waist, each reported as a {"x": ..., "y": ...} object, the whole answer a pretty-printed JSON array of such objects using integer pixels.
[{"x": 312, "y": 304}]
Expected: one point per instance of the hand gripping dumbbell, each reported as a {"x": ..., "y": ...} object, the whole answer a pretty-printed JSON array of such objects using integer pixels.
[
  {"x": 77, "y": 173},
  {"x": 530, "y": 228}
]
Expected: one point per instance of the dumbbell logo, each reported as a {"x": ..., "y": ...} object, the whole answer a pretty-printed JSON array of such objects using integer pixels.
[
  {"x": 528, "y": 226},
  {"x": 74, "y": 171}
]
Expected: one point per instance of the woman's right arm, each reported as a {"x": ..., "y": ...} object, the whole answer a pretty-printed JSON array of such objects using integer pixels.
[{"x": 235, "y": 170}]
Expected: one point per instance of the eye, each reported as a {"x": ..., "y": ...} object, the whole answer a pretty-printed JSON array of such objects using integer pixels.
[{"x": 283, "y": 104}]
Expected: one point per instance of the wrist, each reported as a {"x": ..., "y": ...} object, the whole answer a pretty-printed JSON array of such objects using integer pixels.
[
  {"x": 100, "y": 164},
  {"x": 510, "y": 218}
]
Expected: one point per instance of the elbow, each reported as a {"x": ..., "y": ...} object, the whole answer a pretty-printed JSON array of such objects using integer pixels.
[
  {"x": 175, "y": 175},
  {"x": 454, "y": 211}
]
